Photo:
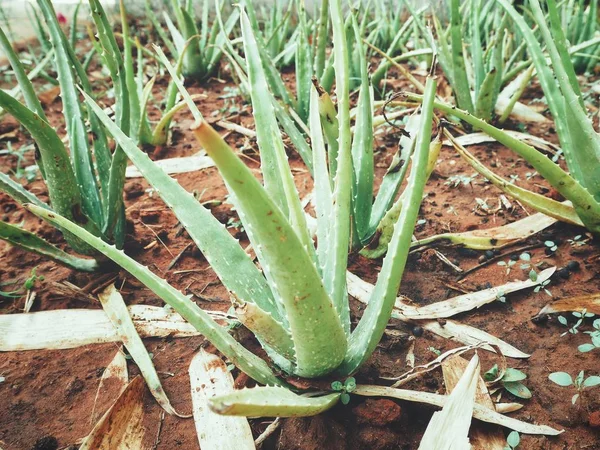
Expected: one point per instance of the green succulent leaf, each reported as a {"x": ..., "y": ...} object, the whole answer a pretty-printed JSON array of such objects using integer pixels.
[{"x": 271, "y": 402}]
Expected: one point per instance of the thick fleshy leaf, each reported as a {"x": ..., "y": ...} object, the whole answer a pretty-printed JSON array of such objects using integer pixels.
[{"x": 271, "y": 402}]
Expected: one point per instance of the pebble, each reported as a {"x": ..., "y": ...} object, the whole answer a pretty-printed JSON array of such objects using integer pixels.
[
  {"x": 572, "y": 266},
  {"x": 417, "y": 331},
  {"x": 563, "y": 273}
]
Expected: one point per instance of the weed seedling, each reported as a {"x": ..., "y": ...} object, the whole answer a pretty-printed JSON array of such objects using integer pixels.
[
  {"x": 577, "y": 241},
  {"x": 580, "y": 382},
  {"x": 595, "y": 335},
  {"x": 580, "y": 317},
  {"x": 345, "y": 388},
  {"x": 512, "y": 440},
  {"x": 455, "y": 181},
  {"x": 525, "y": 257},
  {"x": 551, "y": 247},
  {"x": 510, "y": 381}
]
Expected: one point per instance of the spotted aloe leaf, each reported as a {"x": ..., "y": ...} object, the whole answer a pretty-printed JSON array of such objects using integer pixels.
[
  {"x": 319, "y": 339},
  {"x": 369, "y": 330},
  {"x": 213, "y": 239},
  {"x": 271, "y": 402},
  {"x": 216, "y": 334}
]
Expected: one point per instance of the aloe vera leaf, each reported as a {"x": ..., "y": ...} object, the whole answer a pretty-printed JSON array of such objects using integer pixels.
[
  {"x": 64, "y": 194},
  {"x": 584, "y": 139},
  {"x": 394, "y": 176},
  {"x": 161, "y": 130},
  {"x": 271, "y": 402},
  {"x": 32, "y": 243},
  {"x": 552, "y": 208},
  {"x": 40, "y": 31},
  {"x": 277, "y": 176},
  {"x": 476, "y": 49},
  {"x": 339, "y": 234},
  {"x": 442, "y": 47},
  {"x": 114, "y": 223},
  {"x": 18, "y": 192},
  {"x": 193, "y": 63},
  {"x": 266, "y": 329},
  {"x": 156, "y": 25},
  {"x": 203, "y": 32},
  {"x": 525, "y": 77},
  {"x": 362, "y": 147},
  {"x": 330, "y": 124},
  {"x": 290, "y": 128},
  {"x": 323, "y": 194},
  {"x": 175, "y": 78},
  {"x": 80, "y": 155},
  {"x": 303, "y": 66},
  {"x": 579, "y": 157},
  {"x": 245, "y": 360},
  {"x": 176, "y": 36},
  {"x": 271, "y": 72},
  {"x": 484, "y": 103},
  {"x": 322, "y": 37},
  {"x": 316, "y": 330},
  {"x": 370, "y": 328},
  {"x": 212, "y": 238},
  {"x": 585, "y": 205},
  {"x": 25, "y": 85},
  {"x": 460, "y": 85},
  {"x": 385, "y": 229},
  {"x": 274, "y": 165},
  {"x": 219, "y": 36},
  {"x": 135, "y": 113}
]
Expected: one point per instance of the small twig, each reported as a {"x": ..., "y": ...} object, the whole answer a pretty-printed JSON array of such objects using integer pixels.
[
  {"x": 268, "y": 432},
  {"x": 158, "y": 239},
  {"x": 178, "y": 257},
  {"x": 160, "y": 423},
  {"x": 446, "y": 261}
]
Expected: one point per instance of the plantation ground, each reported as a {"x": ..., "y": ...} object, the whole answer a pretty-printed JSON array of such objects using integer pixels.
[{"x": 51, "y": 393}]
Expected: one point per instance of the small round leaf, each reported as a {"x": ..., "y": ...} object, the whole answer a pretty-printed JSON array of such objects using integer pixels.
[
  {"x": 561, "y": 378},
  {"x": 513, "y": 439}
]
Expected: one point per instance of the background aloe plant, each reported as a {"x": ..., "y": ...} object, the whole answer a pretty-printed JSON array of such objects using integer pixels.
[
  {"x": 298, "y": 306},
  {"x": 579, "y": 141},
  {"x": 84, "y": 188}
]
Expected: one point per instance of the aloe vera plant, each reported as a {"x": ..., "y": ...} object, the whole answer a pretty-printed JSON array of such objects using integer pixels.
[
  {"x": 81, "y": 188},
  {"x": 579, "y": 20},
  {"x": 474, "y": 72},
  {"x": 200, "y": 48},
  {"x": 298, "y": 306}
]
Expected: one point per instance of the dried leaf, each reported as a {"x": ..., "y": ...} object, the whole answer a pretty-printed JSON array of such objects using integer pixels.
[
  {"x": 481, "y": 138},
  {"x": 181, "y": 164},
  {"x": 121, "y": 427},
  {"x": 70, "y": 328},
  {"x": 115, "y": 309},
  {"x": 209, "y": 377},
  {"x": 465, "y": 334},
  {"x": 468, "y": 302},
  {"x": 479, "y": 412},
  {"x": 483, "y": 437},
  {"x": 114, "y": 379},
  {"x": 590, "y": 302},
  {"x": 497, "y": 237},
  {"x": 448, "y": 429},
  {"x": 469, "y": 335}
]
